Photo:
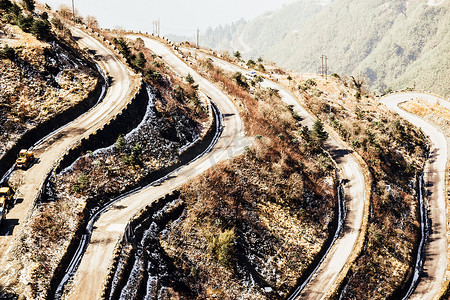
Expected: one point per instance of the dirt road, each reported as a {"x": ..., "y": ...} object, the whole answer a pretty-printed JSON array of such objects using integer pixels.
[
  {"x": 110, "y": 226},
  {"x": 436, "y": 249},
  {"x": 117, "y": 96},
  {"x": 322, "y": 279}
]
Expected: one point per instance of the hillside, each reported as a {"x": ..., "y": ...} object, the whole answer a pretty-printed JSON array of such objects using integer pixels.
[
  {"x": 396, "y": 44},
  {"x": 41, "y": 75}
]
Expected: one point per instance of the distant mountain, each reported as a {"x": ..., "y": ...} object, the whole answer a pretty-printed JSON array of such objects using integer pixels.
[{"x": 396, "y": 43}]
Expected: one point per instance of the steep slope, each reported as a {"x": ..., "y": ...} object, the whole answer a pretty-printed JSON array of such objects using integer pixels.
[
  {"x": 394, "y": 43},
  {"x": 39, "y": 79}
]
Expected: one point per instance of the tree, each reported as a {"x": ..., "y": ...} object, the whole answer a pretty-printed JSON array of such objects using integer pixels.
[
  {"x": 140, "y": 61},
  {"x": 358, "y": 81},
  {"x": 29, "y": 5},
  {"x": 289, "y": 78},
  {"x": 120, "y": 142},
  {"x": 123, "y": 47},
  {"x": 261, "y": 68},
  {"x": 237, "y": 54},
  {"x": 5, "y": 4},
  {"x": 251, "y": 63},
  {"x": 190, "y": 79},
  {"x": 139, "y": 43},
  {"x": 136, "y": 154},
  {"x": 91, "y": 22},
  {"x": 318, "y": 134},
  {"x": 260, "y": 60},
  {"x": 240, "y": 79},
  {"x": 40, "y": 29}
]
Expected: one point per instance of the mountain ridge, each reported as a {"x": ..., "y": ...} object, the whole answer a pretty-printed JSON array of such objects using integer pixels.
[{"x": 395, "y": 44}]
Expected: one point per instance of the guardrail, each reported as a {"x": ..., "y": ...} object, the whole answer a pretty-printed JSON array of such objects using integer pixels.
[{"x": 131, "y": 230}]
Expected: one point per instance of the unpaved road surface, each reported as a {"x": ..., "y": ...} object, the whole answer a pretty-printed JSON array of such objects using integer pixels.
[
  {"x": 436, "y": 249},
  {"x": 111, "y": 225},
  {"x": 117, "y": 96},
  {"x": 355, "y": 192}
]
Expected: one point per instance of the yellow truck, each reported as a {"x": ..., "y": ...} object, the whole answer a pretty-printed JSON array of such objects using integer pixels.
[
  {"x": 6, "y": 199},
  {"x": 25, "y": 159},
  {"x": 6, "y": 196}
]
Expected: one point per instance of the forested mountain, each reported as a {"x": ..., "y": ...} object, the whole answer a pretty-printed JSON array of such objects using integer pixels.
[{"x": 395, "y": 43}]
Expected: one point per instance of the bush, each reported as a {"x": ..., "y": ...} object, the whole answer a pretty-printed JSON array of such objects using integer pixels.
[
  {"x": 24, "y": 22},
  {"x": 29, "y": 5},
  {"x": 7, "y": 52},
  {"x": 222, "y": 247},
  {"x": 311, "y": 82}
]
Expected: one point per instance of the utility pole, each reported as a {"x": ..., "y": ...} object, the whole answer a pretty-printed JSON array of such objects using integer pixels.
[
  {"x": 157, "y": 27},
  {"x": 198, "y": 37},
  {"x": 73, "y": 11},
  {"x": 324, "y": 65}
]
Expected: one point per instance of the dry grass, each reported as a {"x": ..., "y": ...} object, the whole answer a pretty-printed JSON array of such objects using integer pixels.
[
  {"x": 435, "y": 113},
  {"x": 276, "y": 197}
]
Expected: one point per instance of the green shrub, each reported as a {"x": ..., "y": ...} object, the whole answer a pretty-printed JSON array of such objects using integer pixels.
[
  {"x": 222, "y": 247},
  {"x": 40, "y": 29},
  {"x": 190, "y": 79}
]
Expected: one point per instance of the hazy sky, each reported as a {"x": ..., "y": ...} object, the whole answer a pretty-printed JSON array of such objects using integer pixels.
[{"x": 180, "y": 17}]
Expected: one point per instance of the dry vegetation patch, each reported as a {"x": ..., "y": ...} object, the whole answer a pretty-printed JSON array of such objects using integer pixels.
[
  {"x": 255, "y": 223},
  {"x": 433, "y": 112}
]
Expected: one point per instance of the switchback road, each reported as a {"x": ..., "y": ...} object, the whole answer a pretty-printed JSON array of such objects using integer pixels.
[
  {"x": 435, "y": 264},
  {"x": 118, "y": 95},
  {"x": 111, "y": 225}
]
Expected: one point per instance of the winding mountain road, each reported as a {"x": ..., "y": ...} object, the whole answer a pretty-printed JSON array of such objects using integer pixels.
[
  {"x": 319, "y": 284},
  {"x": 110, "y": 227},
  {"x": 435, "y": 264},
  {"x": 118, "y": 95}
]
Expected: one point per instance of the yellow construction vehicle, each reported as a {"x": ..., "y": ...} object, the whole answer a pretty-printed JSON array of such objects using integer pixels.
[
  {"x": 6, "y": 197},
  {"x": 25, "y": 159}
]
